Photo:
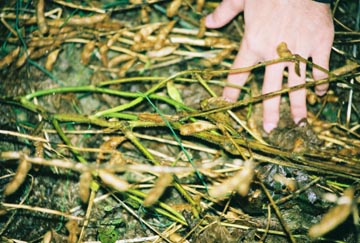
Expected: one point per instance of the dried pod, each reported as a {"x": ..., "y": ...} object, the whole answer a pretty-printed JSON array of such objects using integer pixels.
[
  {"x": 173, "y": 8},
  {"x": 217, "y": 42},
  {"x": 165, "y": 51},
  {"x": 246, "y": 175},
  {"x": 85, "y": 21},
  {"x": 145, "y": 32},
  {"x": 9, "y": 58},
  {"x": 331, "y": 98},
  {"x": 163, "y": 181},
  {"x": 47, "y": 238},
  {"x": 199, "y": 5},
  {"x": 311, "y": 97},
  {"x": 299, "y": 145},
  {"x": 144, "y": 14},
  {"x": 163, "y": 34},
  {"x": 45, "y": 50},
  {"x": 87, "y": 51},
  {"x": 225, "y": 53},
  {"x": 40, "y": 17},
  {"x": 67, "y": 35},
  {"x": 51, "y": 59},
  {"x": 289, "y": 183},
  {"x": 240, "y": 182},
  {"x": 119, "y": 59},
  {"x": 74, "y": 230},
  {"x": 198, "y": 126},
  {"x": 103, "y": 54},
  {"x": 175, "y": 237},
  {"x": 19, "y": 177},
  {"x": 156, "y": 117},
  {"x": 109, "y": 146},
  {"x": 21, "y": 60},
  {"x": 41, "y": 42},
  {"x": 39, "y": 149},
  {"x": 117, "y": 159},
  {"x": 142, "y": 46},
  {"x": 125, "y": 67},
  {"x": 84, "y": 186},
  {"x": 283, "y": 50},
  {"x": 62, "y": 30},
  {"x": 114, "y": 181},
  {"x": 336, "y": 215},
  {"x": 202, "y": 28},
  {"x": 115, "y": 26},
  {"x": 113, "y": 39},
  {"x": 3, "y": 210}
]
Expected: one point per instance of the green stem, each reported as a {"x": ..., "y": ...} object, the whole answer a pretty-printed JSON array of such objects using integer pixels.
[
  {"x": 91, "y": 88},
  {"x": 141, "y": 98},
  {"x": 67, "y": 141},
  {"x": 175, "y": 215}
]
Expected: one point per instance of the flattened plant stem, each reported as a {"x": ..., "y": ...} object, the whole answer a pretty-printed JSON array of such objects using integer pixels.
[
  {"x": 129, "y": 135},
  {"x": 141, "y": 98},
  {"x": 278, "y": 214},
  {"x": 67, "y": 141}
]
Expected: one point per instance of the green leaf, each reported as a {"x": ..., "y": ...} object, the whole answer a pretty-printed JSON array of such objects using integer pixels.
[{"x": 173, "y": 92}]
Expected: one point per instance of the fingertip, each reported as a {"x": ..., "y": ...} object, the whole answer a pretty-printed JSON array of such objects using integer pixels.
[
  {"x": 224, "y": 13},
  {"x": 209, "y": 21},
  {"x": 268, "y": 127},
  {"x": 231, "y": 94},
  {"x": 321, "y": 90}
]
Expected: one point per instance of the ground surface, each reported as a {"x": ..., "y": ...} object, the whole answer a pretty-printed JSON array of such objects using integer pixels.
[{"x": 111, "y": 131}]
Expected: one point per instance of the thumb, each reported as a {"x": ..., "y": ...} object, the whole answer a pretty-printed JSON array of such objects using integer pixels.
[{"x": 224, "y": 13}]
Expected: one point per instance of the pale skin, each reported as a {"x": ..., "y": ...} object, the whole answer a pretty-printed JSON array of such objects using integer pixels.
[{"x": 305, "y": 26}]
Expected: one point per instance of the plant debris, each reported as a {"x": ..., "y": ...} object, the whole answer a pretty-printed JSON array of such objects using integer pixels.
[{"x": 112, "y": 130}]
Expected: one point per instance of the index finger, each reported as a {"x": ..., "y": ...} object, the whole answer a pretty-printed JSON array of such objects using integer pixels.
[{"x": 224, "y": 13}]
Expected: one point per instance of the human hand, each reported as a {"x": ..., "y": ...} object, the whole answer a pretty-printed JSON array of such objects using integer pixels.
[{"x": 305, "y": 26}]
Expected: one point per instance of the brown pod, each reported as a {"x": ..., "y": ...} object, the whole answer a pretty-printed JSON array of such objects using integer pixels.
[
  {"x": 84, "y": 186},
  {"x": 114, "y": 181},
  {"x": 19, "y": 177},
  {"x": 163, "y": 181},
  {"x": 87, "y": 51},
  {"x": 51, "y": 59},
  {"x": 40, "y": 17},
  {"x": 173, "y": 8},
  {"x": 9, "y": 58}
]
